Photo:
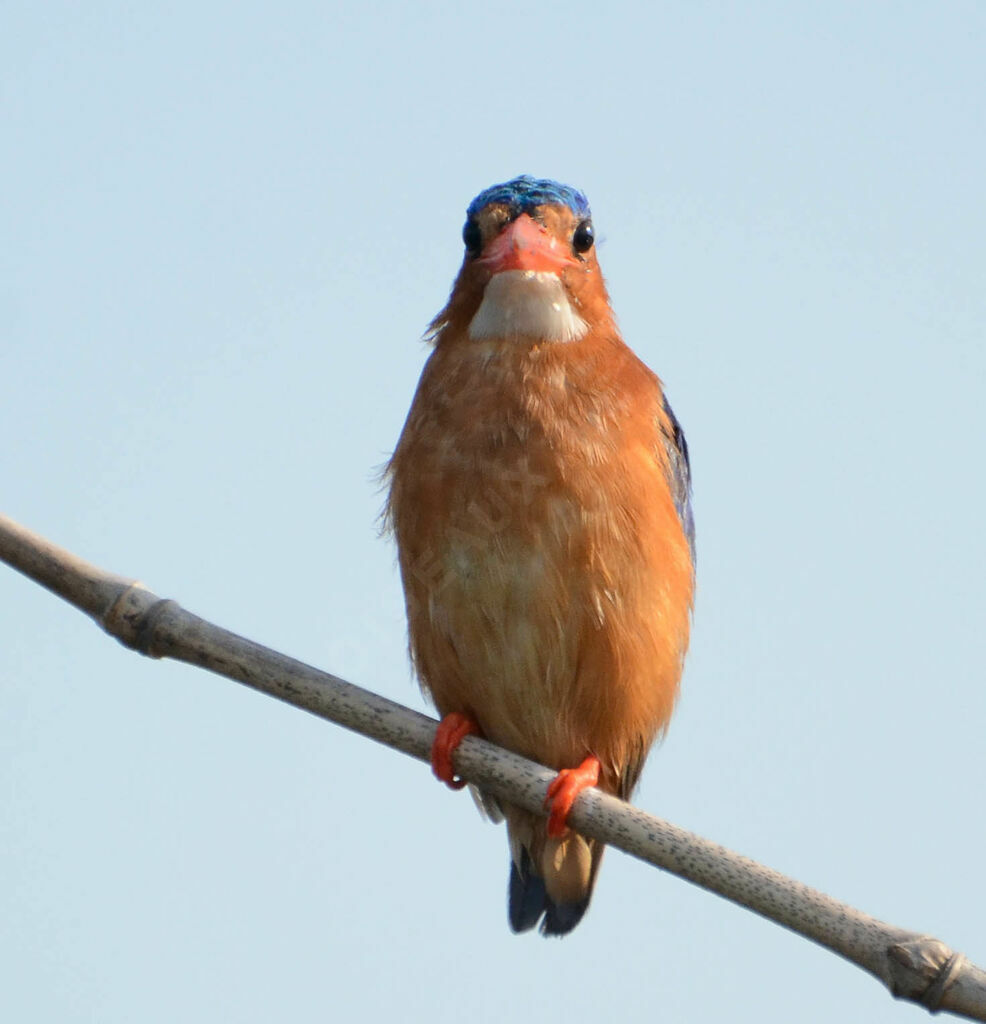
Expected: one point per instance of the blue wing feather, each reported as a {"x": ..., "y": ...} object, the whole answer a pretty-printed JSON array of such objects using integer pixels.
[{"x": 681, "y": 475}]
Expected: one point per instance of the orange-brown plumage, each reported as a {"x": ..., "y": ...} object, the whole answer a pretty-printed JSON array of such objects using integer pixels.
[{"x": 546, "y": 566}]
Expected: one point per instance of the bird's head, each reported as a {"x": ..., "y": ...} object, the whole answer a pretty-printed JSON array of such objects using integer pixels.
[{"x": 530, "y": 271}]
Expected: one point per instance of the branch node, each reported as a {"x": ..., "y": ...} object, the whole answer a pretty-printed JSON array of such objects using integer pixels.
[
  {"x": 923, "y": 969},
  {"x": 134, "y": 616}
]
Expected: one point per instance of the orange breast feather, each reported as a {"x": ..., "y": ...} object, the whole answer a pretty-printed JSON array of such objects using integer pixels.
[{"x": 547, "y": 574}]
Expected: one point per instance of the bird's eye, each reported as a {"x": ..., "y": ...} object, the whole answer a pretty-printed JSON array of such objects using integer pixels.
[
  {"x": 472, "y": 237},
  {"x": 583, "y": 238}
]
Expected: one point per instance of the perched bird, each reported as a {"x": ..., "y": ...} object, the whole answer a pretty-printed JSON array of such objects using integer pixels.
[{"x": 540, "y": 498}]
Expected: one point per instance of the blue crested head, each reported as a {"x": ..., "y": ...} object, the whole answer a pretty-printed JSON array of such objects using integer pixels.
[{"x": 524, "y": 193}]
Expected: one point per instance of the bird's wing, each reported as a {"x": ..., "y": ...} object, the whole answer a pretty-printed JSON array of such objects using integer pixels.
[{"x": 680, "y": 472}]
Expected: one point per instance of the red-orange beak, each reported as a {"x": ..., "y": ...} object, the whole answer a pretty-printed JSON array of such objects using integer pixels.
[{"x": 525, "y": 245}]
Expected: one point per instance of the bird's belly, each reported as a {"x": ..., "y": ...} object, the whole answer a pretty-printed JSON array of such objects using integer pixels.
[
  {"x": 541, "y": 622},
  {"x": 509, "y": 610}
]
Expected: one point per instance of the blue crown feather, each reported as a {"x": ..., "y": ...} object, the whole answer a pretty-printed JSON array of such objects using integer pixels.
[{"x": 524, "y": 193}]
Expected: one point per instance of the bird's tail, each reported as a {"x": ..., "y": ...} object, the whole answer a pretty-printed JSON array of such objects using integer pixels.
[{"x": 549, "y": 878}]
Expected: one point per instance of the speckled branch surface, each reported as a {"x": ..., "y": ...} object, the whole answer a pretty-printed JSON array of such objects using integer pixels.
[{"x": 913, "y": 966}]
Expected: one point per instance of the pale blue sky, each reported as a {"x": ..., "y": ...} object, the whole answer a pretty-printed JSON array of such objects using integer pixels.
[{"x": 225, "y": 227}]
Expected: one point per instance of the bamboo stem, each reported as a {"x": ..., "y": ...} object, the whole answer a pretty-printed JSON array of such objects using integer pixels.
[{"x": 913, "y": 966}]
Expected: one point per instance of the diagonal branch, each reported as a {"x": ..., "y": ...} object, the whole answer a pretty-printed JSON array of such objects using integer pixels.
[{"x": 913, "y": 966}]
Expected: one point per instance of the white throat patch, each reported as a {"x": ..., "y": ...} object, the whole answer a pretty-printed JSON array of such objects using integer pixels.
[{"x": 526, "y": 303}]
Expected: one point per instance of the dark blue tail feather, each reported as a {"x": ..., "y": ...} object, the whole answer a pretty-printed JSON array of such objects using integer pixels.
[
  {"x": 528, "y": 900},
  {"x": 527, "y": 897},
  {"x": 561, "y": 918}
]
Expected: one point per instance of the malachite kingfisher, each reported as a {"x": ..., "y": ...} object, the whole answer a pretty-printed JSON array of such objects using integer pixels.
[{"x": 540, "y": 495}]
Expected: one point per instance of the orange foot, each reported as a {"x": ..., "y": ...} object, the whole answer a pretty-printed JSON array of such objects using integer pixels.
[
  {"x": 451, "y": 731},
  {"x": 565, "y": 787}
]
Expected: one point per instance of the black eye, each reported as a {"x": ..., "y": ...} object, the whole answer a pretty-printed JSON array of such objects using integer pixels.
[
  {"x": 583, "y": 238},
  {"x": 472, "y": 237}
]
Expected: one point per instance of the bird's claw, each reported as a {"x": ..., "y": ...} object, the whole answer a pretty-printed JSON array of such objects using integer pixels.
[
  {"x": 451, "y": 731},
  {"x": 564, "y": 789}
]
